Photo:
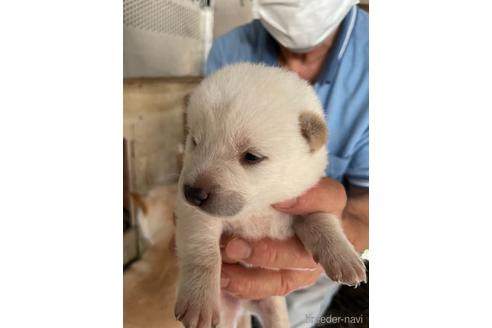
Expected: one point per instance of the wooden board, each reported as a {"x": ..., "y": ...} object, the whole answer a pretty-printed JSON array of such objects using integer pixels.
[{"x": 153, "y": 126}]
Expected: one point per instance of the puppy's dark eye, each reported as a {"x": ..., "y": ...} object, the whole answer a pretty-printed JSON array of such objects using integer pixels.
[{"x": 250, "y": 158}]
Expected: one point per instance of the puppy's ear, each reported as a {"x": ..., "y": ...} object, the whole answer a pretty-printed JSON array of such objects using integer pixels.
[
  {"x": 139, "y": 202},
  {"x": 313, "y": 129}
]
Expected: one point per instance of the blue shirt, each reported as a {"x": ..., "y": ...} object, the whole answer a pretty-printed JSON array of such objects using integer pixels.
[{"x": 342, "y": 87}]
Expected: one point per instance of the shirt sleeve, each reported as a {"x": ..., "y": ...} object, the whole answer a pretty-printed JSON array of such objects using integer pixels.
[
  {"x": 215, "y": 59},
  {"x": 357, "y": 172}
]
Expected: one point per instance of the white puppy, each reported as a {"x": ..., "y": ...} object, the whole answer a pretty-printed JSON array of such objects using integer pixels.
[{"x": 256, "y": 137}]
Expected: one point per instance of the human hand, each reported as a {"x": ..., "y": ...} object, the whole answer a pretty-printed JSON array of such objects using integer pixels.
[
  {"x": 293, "y": 267},
  {"x": 280, "y": 266},
  {"x": 327, "y": 196}
]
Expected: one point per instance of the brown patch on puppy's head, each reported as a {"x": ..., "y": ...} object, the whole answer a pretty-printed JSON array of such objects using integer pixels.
[{"x": 313, "y": 129}]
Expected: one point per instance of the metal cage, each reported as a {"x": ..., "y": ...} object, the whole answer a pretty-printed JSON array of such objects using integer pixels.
[{"x": 165, "y": 38}]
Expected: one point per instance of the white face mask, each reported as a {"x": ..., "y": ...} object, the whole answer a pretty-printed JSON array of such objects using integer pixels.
[{"x": 301, "y": 25}]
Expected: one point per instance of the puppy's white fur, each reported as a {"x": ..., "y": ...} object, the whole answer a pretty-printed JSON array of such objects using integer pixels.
[{"x": 251, "y": 108}]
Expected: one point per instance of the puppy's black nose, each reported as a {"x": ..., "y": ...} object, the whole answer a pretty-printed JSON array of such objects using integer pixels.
[{"x": 195, "y": 196}]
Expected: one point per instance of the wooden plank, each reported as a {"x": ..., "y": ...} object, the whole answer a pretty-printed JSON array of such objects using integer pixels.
[{"x": 153, "y": 126}]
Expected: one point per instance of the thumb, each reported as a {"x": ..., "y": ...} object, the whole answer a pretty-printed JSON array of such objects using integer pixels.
[
  {"x": 287, "y": 205},
  {"x": 297, "y": 206},
  {"x": 327, "y": 196}
]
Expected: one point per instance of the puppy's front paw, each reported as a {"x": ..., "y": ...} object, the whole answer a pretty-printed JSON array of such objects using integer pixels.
[
  {"x": 343, "y": 264},
  {"x": 197, "y": 308}
]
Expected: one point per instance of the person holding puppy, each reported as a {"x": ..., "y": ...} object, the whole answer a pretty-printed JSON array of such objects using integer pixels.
[{"x": 325, "y": 43}]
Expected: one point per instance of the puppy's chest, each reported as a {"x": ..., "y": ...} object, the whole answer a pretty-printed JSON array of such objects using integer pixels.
[{"x": 270, "y": 224}]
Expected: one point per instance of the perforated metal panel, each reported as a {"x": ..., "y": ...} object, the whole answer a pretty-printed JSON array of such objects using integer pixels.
[
  {"x": 162, "y": 17},
  {"x": 165, "y": 38}
]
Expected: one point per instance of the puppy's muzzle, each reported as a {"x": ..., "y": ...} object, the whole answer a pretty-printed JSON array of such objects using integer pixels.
[{"x": 215, "y": 200}]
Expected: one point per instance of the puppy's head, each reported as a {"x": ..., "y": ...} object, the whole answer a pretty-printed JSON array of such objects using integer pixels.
[{"x": 256, "y": 136}]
